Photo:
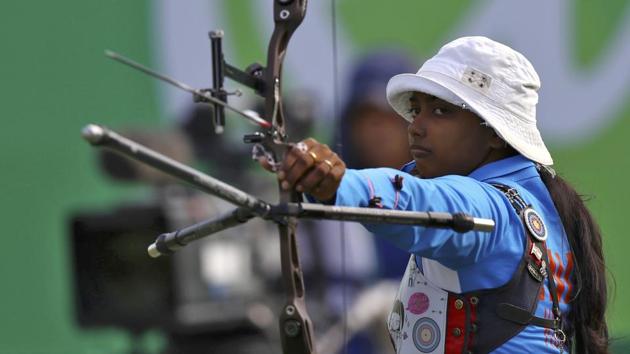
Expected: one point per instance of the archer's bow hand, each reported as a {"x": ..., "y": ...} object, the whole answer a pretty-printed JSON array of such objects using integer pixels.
[{"x": 312, "y": 168}]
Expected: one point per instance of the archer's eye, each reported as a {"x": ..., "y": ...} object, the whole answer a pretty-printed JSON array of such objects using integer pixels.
[
  {"x": 414, "y": 111},
  {"x": 439, "y": 111}
]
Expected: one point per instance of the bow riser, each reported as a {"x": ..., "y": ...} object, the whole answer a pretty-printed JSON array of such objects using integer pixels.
[{"x": 295, "y": 324}]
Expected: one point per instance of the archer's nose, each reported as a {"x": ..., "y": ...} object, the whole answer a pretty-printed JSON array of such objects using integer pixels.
[{"x": 417, "y": 128}]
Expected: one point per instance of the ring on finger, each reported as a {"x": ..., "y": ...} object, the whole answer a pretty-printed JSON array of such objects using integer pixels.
[
  {"x": 313, "y": 156},
  {"x": 327, "y": 162}
]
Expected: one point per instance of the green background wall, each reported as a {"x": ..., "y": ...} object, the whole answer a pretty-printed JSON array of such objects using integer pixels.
[{"x": 54, "y": 79}]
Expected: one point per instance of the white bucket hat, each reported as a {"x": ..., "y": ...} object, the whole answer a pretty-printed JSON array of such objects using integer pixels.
[{"x": 491, "y": 79}]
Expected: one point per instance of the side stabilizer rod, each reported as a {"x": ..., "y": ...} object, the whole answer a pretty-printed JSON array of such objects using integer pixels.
[
  {"x": 102, "y": 137},
  {"x": 170, "y": 242}
]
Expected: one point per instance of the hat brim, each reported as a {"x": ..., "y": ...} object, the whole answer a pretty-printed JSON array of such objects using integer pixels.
[{"x": 523, "y": 136}]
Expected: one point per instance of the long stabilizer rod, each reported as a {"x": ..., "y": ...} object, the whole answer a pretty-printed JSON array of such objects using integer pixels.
[{"x": 459, "y": 222}]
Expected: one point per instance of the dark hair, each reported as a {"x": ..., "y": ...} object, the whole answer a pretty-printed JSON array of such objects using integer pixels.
[{"x": 588, "y": 304}]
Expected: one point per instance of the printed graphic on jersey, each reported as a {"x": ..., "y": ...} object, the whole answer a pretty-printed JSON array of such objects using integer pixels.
[
  {"x": 562, "y": 274},
  {"x": 396, "y": 318},
  {"x": 418, "y": 303},
  {"x": 535, "y": 224},
  {"x": 426, "y": 335}
]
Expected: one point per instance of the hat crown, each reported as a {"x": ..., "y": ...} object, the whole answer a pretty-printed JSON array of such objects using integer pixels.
[{"x": 508, "y": 77}]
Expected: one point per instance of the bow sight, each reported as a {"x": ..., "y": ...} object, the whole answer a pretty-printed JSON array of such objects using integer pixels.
[{"x": 295, "y": 325}]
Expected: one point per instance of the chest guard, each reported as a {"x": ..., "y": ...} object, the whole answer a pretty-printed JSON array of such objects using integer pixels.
[{"x": 428, "y": 319}]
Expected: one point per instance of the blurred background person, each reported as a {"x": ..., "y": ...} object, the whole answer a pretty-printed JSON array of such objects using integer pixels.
[
  {"x": 369, "y": 135},
  {"x": 372, "y": 134}
]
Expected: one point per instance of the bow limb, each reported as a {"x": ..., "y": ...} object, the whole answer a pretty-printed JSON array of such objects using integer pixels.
[{"x": 288, "y": 15}]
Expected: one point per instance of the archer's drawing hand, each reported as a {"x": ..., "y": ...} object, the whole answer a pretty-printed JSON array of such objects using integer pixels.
[{"x": 311, "y": 167}]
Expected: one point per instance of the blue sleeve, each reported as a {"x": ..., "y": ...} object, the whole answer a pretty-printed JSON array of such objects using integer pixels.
[{"x": 445, "y": 194}]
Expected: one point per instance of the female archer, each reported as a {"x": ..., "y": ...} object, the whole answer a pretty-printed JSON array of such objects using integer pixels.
[{"x": 536, "y": 284}]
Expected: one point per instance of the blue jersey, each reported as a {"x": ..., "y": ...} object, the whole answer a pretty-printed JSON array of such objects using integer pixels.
[{"x": 473, "y": 260}]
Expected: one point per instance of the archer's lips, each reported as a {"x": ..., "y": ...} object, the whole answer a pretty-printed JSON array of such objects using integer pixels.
[{"x": 418, "y": 151}]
